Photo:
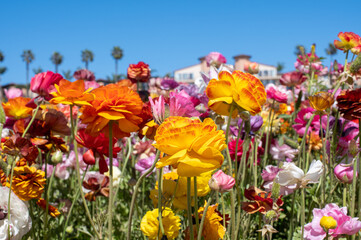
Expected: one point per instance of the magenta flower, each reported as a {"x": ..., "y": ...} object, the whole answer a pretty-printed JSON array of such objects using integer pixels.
[
  {"x": 276, "y": 93},
  {"x": 215, "y": 58},
  {"x": 13, "y": 92},
  {"x": 346, "y": 225},
  {"x": 302, "y": 119},
  {"x": 344, "y": 173},
  {"x": 84, "y": 74},
  {"x": 43, "y": 83},
  {"x": 282, "y": 153},
  {"x": 180, "y": 104},
  {"x": 144, "y": 164},
  {"x": 221, "y": 182},
  {"x": 292, "y": 79},
  {"x": 168, "y": 84}
]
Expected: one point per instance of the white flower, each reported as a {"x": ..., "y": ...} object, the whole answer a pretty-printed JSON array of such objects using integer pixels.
[
  {"x": 20, "y": 221},
  {"x": 291, "y": 174},
  {"x": 116, "y": 176}
]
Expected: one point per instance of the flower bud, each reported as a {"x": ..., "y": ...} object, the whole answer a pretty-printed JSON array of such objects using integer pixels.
[
  {"x": 57, "y": 157},
  {"x": 69, "y": 229},
  {"x": 344, "y": 173},
  {"x": 221, "y": 182},
  {"x": 353, "y": 149},
  {"x": 328, "y": 222},
  {"x": 220, "y": 120},
  {"x": 251, "y": 67},
  {"x": 245, "y": 115}
]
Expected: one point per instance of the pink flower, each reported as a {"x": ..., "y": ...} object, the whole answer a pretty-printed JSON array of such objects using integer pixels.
[
  {"x": 180, "y": 104},
  {"x": 251, "y": 67},
  {"x": 91, "y": 84},
  {"x": 292, "y": 79},
  {"x": 302, "y": 119},
  {"x": 283, "y": 152},
  {"x": 13, "y": 92},
  {"x": 215, "y": 58},
  {"x": 346, "y": 225},
  {"x": 276, "y": 93},
  {"x": 344, "y": 173},
  {"x": 221, "y": 182},
  {"x": 269, "y": 173},
  {"x": 158, "y": 109},
  {"x": 84, "y": 74},
  {"x": 144, "y": 164},
  {"x": 43, "y": 83}
]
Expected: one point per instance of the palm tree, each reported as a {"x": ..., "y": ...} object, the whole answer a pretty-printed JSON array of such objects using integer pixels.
[
  {"x": 280, "y": 67},
  {"x": 331, "y": 50},
  {"x": 87, "y": 56},
  {"x": 37, "y": 70},
  {"x": 2, "y": 71},
  {"x": 27, "y": 57},
  {"x": 67, "y": 75},
  {"x": 117, "y": 54},
  {"x": 1, "y": 56},
  {"x": 300, "y": 50},
  {"x": 56, "y": 58}
]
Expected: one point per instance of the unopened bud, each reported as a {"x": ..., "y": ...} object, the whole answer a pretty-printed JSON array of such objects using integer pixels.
[
  {"x": 356, "y": 65},
  {"x": 220, "y": 120},
  {"x": 57, "y": 157},
  {"x": 353, "y": 149},
  {"x": 69, "y": 229},
  {"x": 271, "y": 215},
  {"x": 245, "y": 115},
  {"x": 275, "y": 190}
]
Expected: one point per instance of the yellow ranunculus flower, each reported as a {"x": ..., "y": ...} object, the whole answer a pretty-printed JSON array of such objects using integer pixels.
[
  {"x": 213, "y": 228},
  {"x": 150, "y": 224},
  {"x": 321, "y": 101},
  {"x": 170, "y": 187},
  {"x": 191, "y": 146},
  {"x": 242, "y": 89}
]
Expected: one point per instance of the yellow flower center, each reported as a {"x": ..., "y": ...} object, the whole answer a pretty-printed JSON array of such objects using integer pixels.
[{"x": 328, "y": 222}]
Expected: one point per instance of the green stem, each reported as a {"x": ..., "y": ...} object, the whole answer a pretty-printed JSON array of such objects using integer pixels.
[
  {"x": 229, "y": 122},
  {"x": 80, "y": 185},
  {"x": 31, "y": 121},
  {"x": 303, "y": 143},
  {"x": 302, "y": 210},
  {"x": 324, "y": 160},
  {"x": 290, "y": 233},
  {"x": 9, "y": 199},
  {"x": 354, "y": 182},
  {"x": 223, "y": 211},
  {"x": 189, "y": 208},
  {"x": 199, "y": 236},
  {"x": 134, "y": 197},
  {"x": 72, "y": 205},
  {"x": 160, "y": 177},
  {"x": 48, "y": 190},
  {"x": 111, "y": 193},
  {"x": 196, "y": 202}
]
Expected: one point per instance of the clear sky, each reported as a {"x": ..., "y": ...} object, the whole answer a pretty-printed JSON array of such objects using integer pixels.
[{"x": 167, "y": 34}]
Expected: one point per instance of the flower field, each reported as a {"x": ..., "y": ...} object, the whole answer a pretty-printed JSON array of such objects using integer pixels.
[{"x": 145, "y": 158}]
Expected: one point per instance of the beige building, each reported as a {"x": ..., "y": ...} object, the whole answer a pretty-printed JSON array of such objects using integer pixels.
[{"x": 192, "y": 74}]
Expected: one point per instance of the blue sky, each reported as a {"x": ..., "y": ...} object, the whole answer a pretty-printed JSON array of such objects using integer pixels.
[{"x": 167, "y": 35}]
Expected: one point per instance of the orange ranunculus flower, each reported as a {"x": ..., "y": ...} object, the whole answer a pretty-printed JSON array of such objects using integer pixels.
[
  {"x": 192, "y": 146},
  {"x": 127, "y": 83},
  {"x": 53, "y": 211},
  {"x": 149, "y": 130},
  {"x": 139, "y": 72},
  {"x": 16, "y": 108},
  {"x": 349, "y": 41},
  {"x": 113, "y": 103},
  {"x": 242, "y": 89},
  {"x": 28, "y": 182},
  {"x": 72, "y": 93},
  {"x": 321, "y": 101}
]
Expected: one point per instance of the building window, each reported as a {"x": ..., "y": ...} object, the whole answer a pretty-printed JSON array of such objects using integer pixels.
[
  {"x": 265, "y": 73},
  {"x": 191, "y": 76}
]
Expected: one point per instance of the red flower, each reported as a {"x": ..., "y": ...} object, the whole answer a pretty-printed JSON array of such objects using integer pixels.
[
  {"x": 349, "y": 103},
  {"x": 139, "y": 72},
  {"x": 261, "y": 201},
  {"x": 43, "y": 83},
  {"x": 232, "y": 150},
  {"x": 98, "y": 147}
]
